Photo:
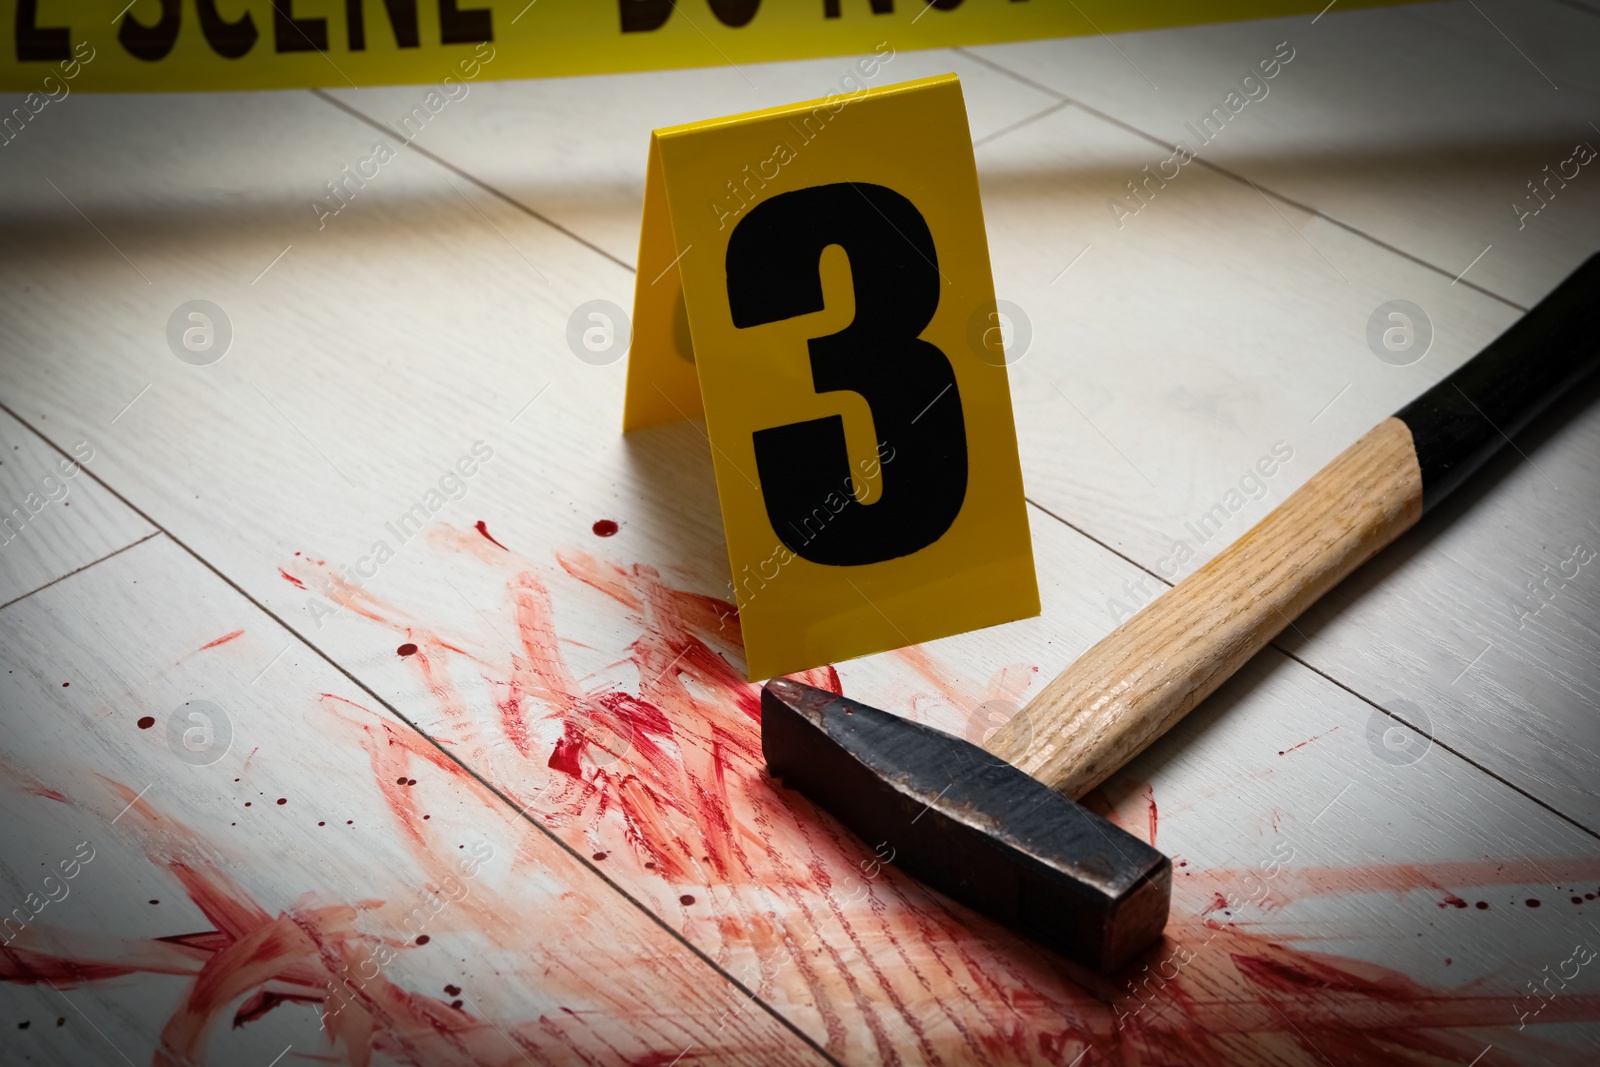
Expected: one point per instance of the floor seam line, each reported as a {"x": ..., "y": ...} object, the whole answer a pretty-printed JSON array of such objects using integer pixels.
[
  {"x": 79, "y": 570},
  {"x": 1218, "y": 169},
  {"x": 474, "y": 179},
  {"x": 1339, "y": 683}
]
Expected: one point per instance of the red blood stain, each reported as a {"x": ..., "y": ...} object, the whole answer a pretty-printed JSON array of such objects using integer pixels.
[
  {"x": 452, "y": 990},
  {"x": 1150, "y": 799},
  {"x": 1532, "y": 903},
  {"x": 283, "y": 800},
  {"x": 291, "y": 579},
  {"x": 263, "y": 1001},
  {"x": 1483, "y": 905},
  {"x": 225, "y": 638},
  {"x": 668, "y": 767},
  {"x": 1452, "y": 901},
  {"x": 1303, "y": 744},
  {"x": 146, "y": 721},
  {"x": 686, "y": 900},
  {"x": 64, "y": 685},
  {"x": 604, "y": 528},
  {"x": 317, "y": 955},
  {"x": 407, "y": 649},
  {"x": 483, "y": 528}
]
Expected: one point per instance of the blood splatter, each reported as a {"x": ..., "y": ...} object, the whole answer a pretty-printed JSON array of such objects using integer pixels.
[
  {"x": 423, "y": 939},
  {"x": 291, "y": 579},
  {"x": 1532, "y": 902},
  {"x": 452, "y": 990},
  {"x": 146, "y": 721},
  {"x": 604, "y": 528},
  {"x": 407, "y": 649},
  {"x": 1155, "y": 815},
  {"x": 666, "y": 763},
  {"x": 283, "y": 800},
  {"x": 483, "y": 528},
  {"x": 1303, "y": 744},
  {"x": 224, "y": 639}
]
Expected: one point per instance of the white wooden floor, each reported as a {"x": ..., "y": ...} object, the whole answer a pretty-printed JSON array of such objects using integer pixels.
[{"x": 499, "y": 799}]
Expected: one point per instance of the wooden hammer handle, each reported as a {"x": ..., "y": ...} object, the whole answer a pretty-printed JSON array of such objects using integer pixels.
[
  {"x": 1146, "y": 674},
  {"x": 1149, "y": 672}
]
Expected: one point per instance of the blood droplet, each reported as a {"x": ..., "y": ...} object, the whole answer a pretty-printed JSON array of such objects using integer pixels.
[
  {"x": 146, "y": 722},
  {"x": 604, "y": 528},
  {"x": 483, "y": 528},
  {"x": 407, "y": 649}
]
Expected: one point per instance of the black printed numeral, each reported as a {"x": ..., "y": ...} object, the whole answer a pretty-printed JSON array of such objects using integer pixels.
[{"x": 804, "y": 467}]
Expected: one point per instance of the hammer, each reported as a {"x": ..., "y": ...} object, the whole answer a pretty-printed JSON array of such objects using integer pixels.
[{"x": 996, "y": 827}]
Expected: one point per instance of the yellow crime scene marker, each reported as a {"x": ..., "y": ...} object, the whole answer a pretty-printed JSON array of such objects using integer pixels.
[{"x": 809, "y": 280}]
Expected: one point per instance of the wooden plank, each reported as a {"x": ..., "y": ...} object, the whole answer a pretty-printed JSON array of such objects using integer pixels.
[
  {"x": 593, "y": 670},
  {"x": 224, "y": 851},
  {"x": 53, "y": 522},
  {"x": 1494, "y": 92},
  {"x": 573, "y": 149}
]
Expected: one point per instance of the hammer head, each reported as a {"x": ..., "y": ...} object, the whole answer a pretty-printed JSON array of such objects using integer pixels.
[{"x": 970, "y": 825}]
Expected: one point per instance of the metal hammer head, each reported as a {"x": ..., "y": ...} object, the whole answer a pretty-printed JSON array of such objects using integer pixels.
[{"x": 970, "y": 825}]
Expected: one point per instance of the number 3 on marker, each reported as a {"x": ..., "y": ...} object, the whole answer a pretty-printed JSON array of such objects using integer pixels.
[{"x": 908, "y": 383}]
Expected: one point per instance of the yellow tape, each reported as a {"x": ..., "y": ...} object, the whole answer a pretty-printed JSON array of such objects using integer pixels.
[{"x": 51, "y": 47}]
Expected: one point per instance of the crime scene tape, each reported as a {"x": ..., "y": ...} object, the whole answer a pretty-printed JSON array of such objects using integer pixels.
[{"x": 208, "y": 45}]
